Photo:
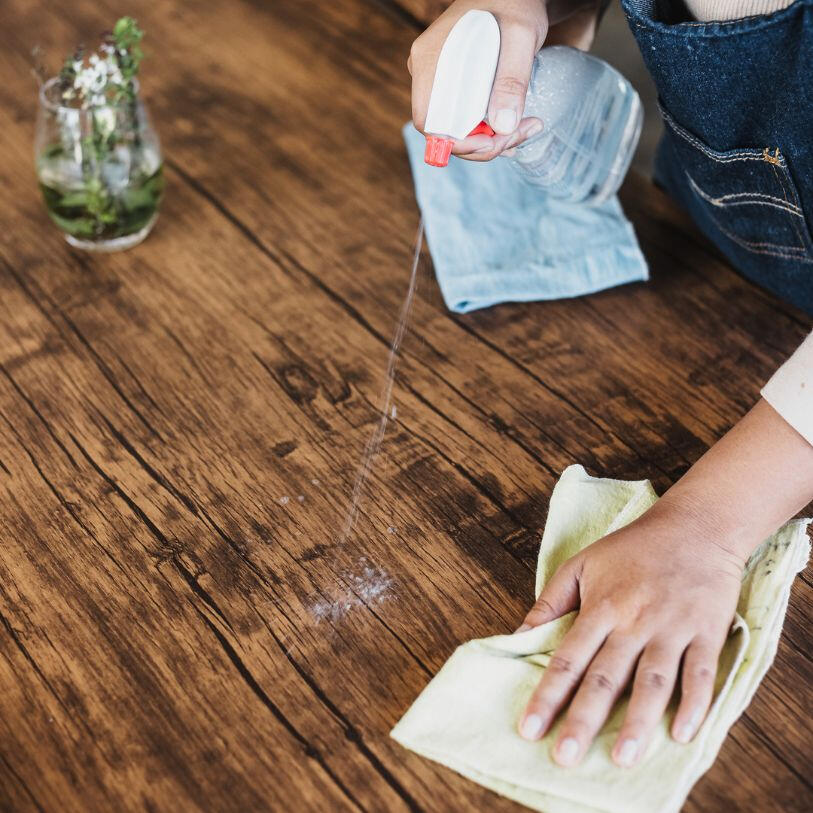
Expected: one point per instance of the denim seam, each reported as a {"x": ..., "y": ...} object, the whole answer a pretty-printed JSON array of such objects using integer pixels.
[
  {"x": 770, "y": 249},
  {"x": 748, "y": 247},
  {"x": 743, "y": 155},
  {"x": 777, "y": 160},
  {"x": 786, "y": 175},
  {"x": 755, "y": 198},
  {"x": 793, "y": 192},
  {"x": 798, "y": 253},
  {"x": 721, "y": 23},
  {"x": 758, "y": 24}
]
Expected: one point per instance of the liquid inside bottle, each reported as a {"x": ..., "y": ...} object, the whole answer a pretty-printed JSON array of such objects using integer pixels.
[{"x": 592, "y": 120}]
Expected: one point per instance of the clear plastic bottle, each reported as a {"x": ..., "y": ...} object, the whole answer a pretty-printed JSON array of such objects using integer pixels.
[{"x": 592, "y": 120}]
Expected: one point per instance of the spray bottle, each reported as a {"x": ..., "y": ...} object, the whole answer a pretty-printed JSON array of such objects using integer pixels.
[{"x": 591, "y": 114}]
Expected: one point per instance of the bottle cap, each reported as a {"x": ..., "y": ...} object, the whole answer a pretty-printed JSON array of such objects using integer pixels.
[{"x": 438, "y": 150}]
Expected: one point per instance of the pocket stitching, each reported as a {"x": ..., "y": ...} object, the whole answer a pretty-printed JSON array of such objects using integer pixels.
[
  {"x": 742, "y": 155},
  {"x": 752, "y": 198},
  {"x": 777, "y": 159},
  {"x": 783, "y": 252},
  {"x": 772, "y": 249},
  {"x": 785, "y": 193}
]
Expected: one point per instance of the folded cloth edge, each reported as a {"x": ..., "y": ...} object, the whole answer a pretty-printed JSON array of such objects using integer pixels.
[
  {"x": 640, "y": 495},
  {"x": 584, "y": 275}
]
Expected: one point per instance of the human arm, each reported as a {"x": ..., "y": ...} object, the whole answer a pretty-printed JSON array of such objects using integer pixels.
[{"x": 656, "y": 598}]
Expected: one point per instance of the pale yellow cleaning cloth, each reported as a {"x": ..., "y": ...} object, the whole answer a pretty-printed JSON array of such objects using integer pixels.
[{"x": 466, "y": 718}]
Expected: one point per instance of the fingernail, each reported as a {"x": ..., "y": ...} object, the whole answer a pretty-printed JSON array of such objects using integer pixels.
[
  {"x": 567, "y": 751},
  {"x": 505, "y": 121},
  {"x": 523, "y": 628},
  {"x": 531, "y": 727},
  {"x": 627, "y": 753},
  {"x": 534, "y": 128}
]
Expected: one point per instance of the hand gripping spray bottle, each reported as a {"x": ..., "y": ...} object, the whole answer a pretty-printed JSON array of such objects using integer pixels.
[{"x": 591, "y": 114}]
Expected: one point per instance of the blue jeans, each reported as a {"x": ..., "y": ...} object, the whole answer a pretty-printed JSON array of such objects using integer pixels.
[{"x": 737, "y": 153}]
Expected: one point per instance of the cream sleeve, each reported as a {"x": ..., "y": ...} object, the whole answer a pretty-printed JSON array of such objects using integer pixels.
[{"x": 790, "y": 390}]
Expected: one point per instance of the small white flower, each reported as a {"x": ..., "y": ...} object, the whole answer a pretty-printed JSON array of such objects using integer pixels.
[
  {"x": 113, "y": 72},
  {"x": 105, "y": 120},
  {"x": 97, "y": 80}
]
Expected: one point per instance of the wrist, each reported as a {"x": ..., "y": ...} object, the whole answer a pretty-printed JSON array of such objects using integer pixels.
[
  {"x": 702, "y": 520},
  {"x": 741, "y": 490}
]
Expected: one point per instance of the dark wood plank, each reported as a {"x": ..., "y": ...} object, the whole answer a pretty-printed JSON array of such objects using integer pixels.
[{"x": 177, "y": 634}]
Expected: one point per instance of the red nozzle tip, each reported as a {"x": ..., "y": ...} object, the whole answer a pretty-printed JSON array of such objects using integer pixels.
[
  {"x": 438, "y": 150},
  {"x": 483, "y": 128}
]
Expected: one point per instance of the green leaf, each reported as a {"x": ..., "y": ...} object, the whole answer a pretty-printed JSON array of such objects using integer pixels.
[
  {"x": 123, "y": 26},
  {"x": 79, "y": 198},
  {"x": 78, "y": 227},
  {"x": 155, "y": 184},
  {"x": 136, "y": 197}
]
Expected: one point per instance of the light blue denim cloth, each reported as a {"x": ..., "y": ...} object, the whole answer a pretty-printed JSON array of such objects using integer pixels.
[{"x": 494, "y": 238}]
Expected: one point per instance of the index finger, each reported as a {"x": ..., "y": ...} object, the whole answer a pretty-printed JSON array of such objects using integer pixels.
[
  {"x": 423, "y": 61},
  {"x": 480, "y": 147},
  {"x": 563, "y": 674},
  {"x": 422, "y": 67},
  {"x": 484, "y": 147}
]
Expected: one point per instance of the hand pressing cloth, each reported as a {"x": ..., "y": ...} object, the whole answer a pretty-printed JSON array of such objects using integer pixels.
[
  {"x": 466, "y": 718},
  {"x": 494, "y": 238}
]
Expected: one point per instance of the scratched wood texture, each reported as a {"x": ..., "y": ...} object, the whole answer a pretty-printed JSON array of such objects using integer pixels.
[{"x": 174, "y": 633}]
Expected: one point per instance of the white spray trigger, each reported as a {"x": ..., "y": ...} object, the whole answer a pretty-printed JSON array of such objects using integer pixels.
[{"x": 462, "y": 86}]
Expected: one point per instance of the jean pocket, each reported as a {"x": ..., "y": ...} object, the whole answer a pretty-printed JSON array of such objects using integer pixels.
[{"x": 746, "y": 195}]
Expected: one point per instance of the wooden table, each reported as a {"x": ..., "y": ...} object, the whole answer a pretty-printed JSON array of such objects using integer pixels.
[{"x": 181, "y": 426}]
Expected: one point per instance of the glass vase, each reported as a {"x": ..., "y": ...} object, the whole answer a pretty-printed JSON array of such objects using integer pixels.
[{"x": 99, "y": 169}]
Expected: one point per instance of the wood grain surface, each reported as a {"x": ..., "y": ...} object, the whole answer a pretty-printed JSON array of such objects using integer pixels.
[{"x": 181, "y": 426}]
